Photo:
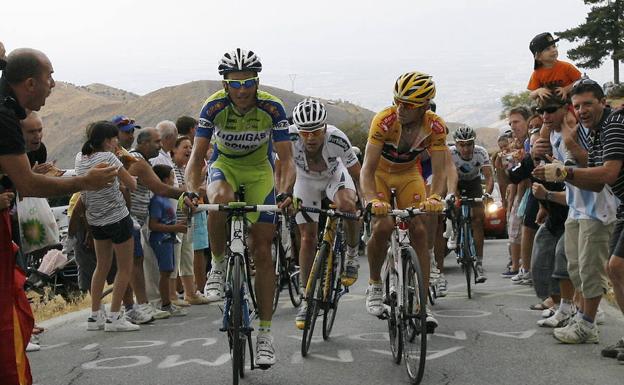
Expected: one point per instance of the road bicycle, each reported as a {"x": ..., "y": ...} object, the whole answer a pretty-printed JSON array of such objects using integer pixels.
[
  {"x": 405, "y": 296},
  {"x": 239, "y": 308},
  {"x": 285, "y": 260},
  {"x": 324, "y": 287}
]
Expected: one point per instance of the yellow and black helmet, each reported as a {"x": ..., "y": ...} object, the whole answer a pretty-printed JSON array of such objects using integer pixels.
[{"x": 414, "y": 87}]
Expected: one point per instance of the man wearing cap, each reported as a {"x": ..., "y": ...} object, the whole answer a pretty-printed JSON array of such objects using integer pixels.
[
  {"x": 605, "y": 160},
  {"x": 25, "y": 84},
  {"x": 548, "y": 72},
  {"x": 126, "y": 128}
]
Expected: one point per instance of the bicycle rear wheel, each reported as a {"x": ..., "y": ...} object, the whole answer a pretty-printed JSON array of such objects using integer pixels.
[
  {"x": 331, "y": 306},
  {"x": 413, "y": 317},
  {"x": 278, "y": 267},
  {"x": 314, "y": 298},
  {"x": 237, "y": 334}
]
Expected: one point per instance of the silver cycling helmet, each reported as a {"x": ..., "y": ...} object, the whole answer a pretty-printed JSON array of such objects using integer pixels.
[
  {"x": 309, "y": 114},
  {"x": 239, "y": 60},
  {"x": 464, "y": 134}
]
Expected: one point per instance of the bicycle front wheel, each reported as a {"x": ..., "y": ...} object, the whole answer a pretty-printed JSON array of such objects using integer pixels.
[
  {"x": 467, "y": 264},
  {"x": 314, "y": 298},
  {"x": 331, "y": 306},
  {"x": 278, "y": 267},
  {"x": 413, "y": 316},
  {"x": 394, "y": 331},
  {"x": 237, "y": 334}
]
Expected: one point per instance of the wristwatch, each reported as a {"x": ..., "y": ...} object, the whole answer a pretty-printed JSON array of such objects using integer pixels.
[{"x": 549, "y": 195}]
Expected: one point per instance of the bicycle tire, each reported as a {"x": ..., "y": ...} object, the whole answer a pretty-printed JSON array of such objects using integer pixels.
[
  {"x": 414, "y": 315},
  {"x": 432, "y": 294},
  {"x": 236, "y": 321},
  {"x": 277, "y": 268},
  {"x": 294, "y": 283},
  {"x": 394, "y": 331},
  {"x": 331, "y": 305},
  {"x": 467, "y": 264},
  {"x": 314, "y": 298}
]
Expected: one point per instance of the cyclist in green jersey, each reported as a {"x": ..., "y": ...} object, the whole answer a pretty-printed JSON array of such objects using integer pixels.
[{"x": 246, "y": 124}]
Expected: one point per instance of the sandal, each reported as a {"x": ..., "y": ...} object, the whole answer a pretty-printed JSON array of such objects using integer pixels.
[{"x": 538, "y": 306}]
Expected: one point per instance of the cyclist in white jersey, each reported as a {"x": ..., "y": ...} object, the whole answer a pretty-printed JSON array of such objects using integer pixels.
[
  {"x": 471, "y": 161},
  {"x": 326, "y": 167}
]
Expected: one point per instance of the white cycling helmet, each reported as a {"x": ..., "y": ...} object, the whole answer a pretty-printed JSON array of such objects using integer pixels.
[
  {"x": 309, "y": 114},
  {"x": 239, "y": 60},
  {"x": 464, "y": 134}
]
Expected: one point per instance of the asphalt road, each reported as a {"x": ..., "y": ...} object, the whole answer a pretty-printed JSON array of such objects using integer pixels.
[{"x": 491, "y": 339}]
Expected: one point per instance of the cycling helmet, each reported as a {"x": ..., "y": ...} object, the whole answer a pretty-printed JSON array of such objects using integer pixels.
[
  {"x": 309, "y": 114},
  {"x": 239, "y": 60},
  {"x": 414, "y": 87},
  {"x": 464, "y": 134}
]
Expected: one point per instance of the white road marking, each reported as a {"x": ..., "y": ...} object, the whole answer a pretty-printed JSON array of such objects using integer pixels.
[
  {"x": 90, "y": 346},
  {"x": 97, "y": 364},
  {"x": 141, "y": 344},
  {"x": 48, "y": 347},
  {"x": 458, "y": 335},
  {"x": 517, "y": 335},
  {"x": 174, "y": 360},
  {"x": 207, "y": 342},
  {"x": 461, "y": 313}
]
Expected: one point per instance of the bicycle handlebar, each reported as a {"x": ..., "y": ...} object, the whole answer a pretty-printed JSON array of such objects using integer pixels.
[
  {"x": 330, "y": 212},
  {"x": 236, "y": 206}
]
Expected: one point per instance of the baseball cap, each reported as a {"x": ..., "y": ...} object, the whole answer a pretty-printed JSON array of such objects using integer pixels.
[
  {"x": 124, "y": 123},
  {"x": 540, "y": 42}
]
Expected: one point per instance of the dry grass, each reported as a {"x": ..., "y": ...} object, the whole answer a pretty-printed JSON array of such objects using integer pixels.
[
  {"x": 47, "y": 307},
  {"x": 616, "y": 102}
]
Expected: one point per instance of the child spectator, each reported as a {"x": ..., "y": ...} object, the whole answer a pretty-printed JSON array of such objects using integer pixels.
[
  {"x": 163, "y": 228},
  {"x": 549, "y": 73},
  {"x": 110, "y": 224}
]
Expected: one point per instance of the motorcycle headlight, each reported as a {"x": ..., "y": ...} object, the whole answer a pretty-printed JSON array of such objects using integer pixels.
[{"x": 492, "y": 208}]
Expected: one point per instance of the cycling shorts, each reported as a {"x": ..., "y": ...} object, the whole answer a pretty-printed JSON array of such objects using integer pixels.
[
  {"x": 311, "y": 191},
  {"x": 409, "y": 185},
  {"x": 258, "y": 181}
]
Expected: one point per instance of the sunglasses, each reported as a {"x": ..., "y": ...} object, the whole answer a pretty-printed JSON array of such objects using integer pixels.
[
  {"x": 407, "y": 105},
  {"x": 311, "y": 134},
  {"x": 548, "y": 110},
  {"x": 585, "y": 81},
  {"x": 246, "y": 83}
]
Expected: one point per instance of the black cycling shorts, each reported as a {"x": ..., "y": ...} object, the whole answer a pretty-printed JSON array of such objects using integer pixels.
[{"x": 118, "y": 232}]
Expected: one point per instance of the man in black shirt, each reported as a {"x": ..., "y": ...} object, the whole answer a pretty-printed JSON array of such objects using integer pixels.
[
  {"x": 25, "y": 84},
  {"x": 605, "y": 167}
]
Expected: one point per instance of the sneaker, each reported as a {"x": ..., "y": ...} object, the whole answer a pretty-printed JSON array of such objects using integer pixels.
[
  {"x": 374, "y": 298},
  {"x": 137, "y": 316},
  {"x": 197, "y": 299},
  {"x": 180, "y": 303},
  {"x": 546, "y": 313},
  {"x": 612, "y": 351},
  {"x": 120, "y": 324},
  {"x": 32, "y": 347},
  {"x": 214, "y": 286},
  {"x": 442, "y": 286},
  {"x": 557, "y": 320},
  {"x": 517, "y": 279},
  {"x": 350, "y": 272},
  {"x": 97, "y": 322},
  {"x": 432, "y": 323},
  {"x": 152, "y": 310},
  {"x": 481, "y": 277},
  {"x": 265, "y": 353},
  {"x": 527, "y": 279},
  {"x": 578, "y": 331},
  {"x": 509, "y": 273},
  {"x": 451, "y": 243},
  {"x": 301, "y": 316},
  {"x": 174, "y": 311}
]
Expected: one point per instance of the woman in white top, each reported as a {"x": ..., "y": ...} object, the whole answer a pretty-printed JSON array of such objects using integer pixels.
[{"x": 110, "y": 223}]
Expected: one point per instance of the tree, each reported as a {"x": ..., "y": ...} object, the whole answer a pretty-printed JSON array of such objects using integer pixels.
[
  {"x": 512, "y": 100},
  {"x": 602, "y": 36}
]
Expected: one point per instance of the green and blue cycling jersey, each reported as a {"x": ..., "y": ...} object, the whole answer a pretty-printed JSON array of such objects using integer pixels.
[{"x": 243, "y": 145}]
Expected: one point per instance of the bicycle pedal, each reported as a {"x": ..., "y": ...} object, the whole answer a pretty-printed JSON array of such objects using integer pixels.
[{"x": 263, "y": 367}]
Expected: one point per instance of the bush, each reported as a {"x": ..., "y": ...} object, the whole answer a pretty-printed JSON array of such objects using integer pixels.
[{"x": 615, "y": 91}]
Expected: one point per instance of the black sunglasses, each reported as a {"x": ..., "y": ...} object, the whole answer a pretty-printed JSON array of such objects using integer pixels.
[
  {"x": 549, "y": 110},
  {"x": 585, "y": 81}
]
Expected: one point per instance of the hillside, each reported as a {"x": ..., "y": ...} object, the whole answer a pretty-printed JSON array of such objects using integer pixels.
[{"x": 70, "y": 108}]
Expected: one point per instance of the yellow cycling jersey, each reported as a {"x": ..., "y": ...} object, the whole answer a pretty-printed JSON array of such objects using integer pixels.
[{"x": 385, "y": 131}]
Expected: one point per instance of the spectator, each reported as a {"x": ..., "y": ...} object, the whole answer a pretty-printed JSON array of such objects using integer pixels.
[
  {"x": 111, "y": 226},
  {"x": 163, "y": 228},
  {"x": 126, "y": 128},
  {"x": 25, "y": 84},
  {"x": 186, "y": 126}
]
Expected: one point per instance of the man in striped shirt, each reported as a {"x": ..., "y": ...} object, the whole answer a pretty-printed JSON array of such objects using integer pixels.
[{"x": 604, "y": 167}]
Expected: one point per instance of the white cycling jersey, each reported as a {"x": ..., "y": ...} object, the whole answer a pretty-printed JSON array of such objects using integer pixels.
[
  {"x": 470, "y": 169},
  {"x": 336, "y": 148}
]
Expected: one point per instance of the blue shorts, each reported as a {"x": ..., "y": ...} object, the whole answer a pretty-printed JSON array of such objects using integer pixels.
[
  {"x": 164, "y": 255},
  {"x": 138, "y": 248},
  {"x": 200, "y": 231}
]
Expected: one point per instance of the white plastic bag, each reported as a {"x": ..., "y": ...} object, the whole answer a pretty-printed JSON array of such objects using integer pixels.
[
  {"x": 52, "y": 261},
  {"x": 38, "y": 228}
]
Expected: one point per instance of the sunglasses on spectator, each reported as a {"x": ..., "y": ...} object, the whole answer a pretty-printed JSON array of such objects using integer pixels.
[
  {"x": 407, "y": 105},
  {"x": 548, "y": 110},
  {"x": 585, "y": 81},
  {"x": 312, "y": 134},
  {"x": 246, "y": 83}
]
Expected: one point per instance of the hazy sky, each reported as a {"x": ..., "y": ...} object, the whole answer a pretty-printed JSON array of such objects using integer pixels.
[{"x": 477, "y": 50}]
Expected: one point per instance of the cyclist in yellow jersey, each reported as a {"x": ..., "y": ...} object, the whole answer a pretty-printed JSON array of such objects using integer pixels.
[
  {"x": 398, "y": 136},
  {"x": 245, "y": 122}
]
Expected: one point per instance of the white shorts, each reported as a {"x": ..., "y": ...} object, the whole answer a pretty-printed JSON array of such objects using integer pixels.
[{"x": 311, "y": 191}]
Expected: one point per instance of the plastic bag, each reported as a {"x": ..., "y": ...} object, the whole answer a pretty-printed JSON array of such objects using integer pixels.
[
  {"x": 52, "y": 261},
  {"x": 38, "y": 227}
]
